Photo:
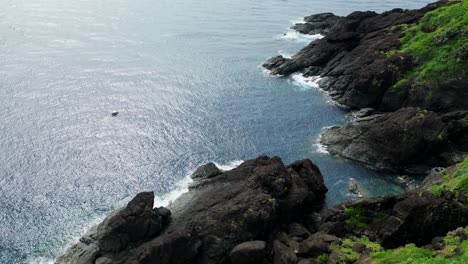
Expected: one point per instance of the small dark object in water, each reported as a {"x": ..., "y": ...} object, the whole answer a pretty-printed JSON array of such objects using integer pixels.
[{"x": 115, "y": 113}]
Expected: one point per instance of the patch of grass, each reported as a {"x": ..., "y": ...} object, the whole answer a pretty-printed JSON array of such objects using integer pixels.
[
  {"x": 356, "y": 219},
  {"x": 439, "y": 43},
  {"x": 323, "y": 258},
  {"x": 410, "y": 254},
  {"x": 456, "y": 182},
  {"x": 345, "y": 251},
  {"x": 346, "y": 254}
]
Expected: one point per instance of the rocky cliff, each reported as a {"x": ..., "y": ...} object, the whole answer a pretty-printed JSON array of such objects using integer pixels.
[{"x": 413, "y": 60}]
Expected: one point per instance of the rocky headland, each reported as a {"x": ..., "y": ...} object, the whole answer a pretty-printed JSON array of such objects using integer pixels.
[{"x": 407, "y": 69}]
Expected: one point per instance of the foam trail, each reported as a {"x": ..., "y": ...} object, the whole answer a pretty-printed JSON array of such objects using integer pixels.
[
  {"x": 182, "y": 186},
  {"x": 163, "y": 200},
  {"x": 230, "y": 165},
  {"x": 319, "y": 147},
  {"x": 285, "y": 55},
  {"x": 306, "y": 82},
  {"x": 294, "y": 35},
  {"x": 73, "y": 241}
]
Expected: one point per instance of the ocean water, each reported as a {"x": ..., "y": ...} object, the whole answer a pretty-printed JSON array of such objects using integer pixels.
[{"x": 186, "y": 79}]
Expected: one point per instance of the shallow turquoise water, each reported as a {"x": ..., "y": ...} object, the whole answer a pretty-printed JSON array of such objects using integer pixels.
[{"x": 186, "y": 79}]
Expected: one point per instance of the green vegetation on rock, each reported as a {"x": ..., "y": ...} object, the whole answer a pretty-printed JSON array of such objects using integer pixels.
[
  {"x": 455, "y": 180},
  {"x": 356, "y": 219},
  {"x": 454, "y": 250},
  {"x": 439, "y": 43}
]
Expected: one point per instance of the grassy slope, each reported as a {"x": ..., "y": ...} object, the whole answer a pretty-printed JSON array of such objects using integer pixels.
[
  {"x": 456, "y": 181},
  {"x": 439, "y": 43},
  {"x": 454, "y": 250}
]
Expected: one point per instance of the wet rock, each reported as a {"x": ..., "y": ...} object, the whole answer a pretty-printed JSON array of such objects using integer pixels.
[{"x": 206, "y": 171}]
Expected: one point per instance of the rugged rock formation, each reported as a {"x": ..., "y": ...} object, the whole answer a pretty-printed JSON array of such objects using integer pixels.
[
  {"x": 409, "y": 140},
  {"x": 353, "y": 61},
  {"x": 221, "y": 210},
  {"x": 362, "y": 67}
]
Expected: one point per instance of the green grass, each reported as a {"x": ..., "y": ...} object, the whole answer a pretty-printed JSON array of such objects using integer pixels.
[
  {"x": 456, "y": 181},
  {"x": 439, "y": 43},
  {"x": 356, "y": 219},
  {"x": 411, "y": 254},
  {"x": 345, "y": 250}
]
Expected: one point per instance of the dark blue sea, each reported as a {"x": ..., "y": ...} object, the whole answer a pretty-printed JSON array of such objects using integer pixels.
[{"x": 184, "y": 76}]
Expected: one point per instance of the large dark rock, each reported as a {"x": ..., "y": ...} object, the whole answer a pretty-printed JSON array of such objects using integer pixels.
[
  {"x": 221, "y": 210},
  {"x": 409, "y": 140}
]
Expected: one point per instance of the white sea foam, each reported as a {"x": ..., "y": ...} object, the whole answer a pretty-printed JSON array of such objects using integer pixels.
[
  {"x": 306, "y": 82},
  {"x": 292, "y": 34},
  {"x": 285, "y": 55},
  {"x": 319, "y": 147},
  {"x": 180, "y": 188},
  {"x": 163, "y": 200},
  {"x": 85, "y": 229},
  {"x": 230, "y": 165}
]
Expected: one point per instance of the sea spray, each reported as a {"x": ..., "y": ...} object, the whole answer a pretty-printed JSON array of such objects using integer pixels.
[
  {"x": 181, "y": 187},
  {"x": 296, "y": 36}
]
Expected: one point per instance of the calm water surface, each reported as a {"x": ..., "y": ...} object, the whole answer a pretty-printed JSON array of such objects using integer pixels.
[{"x": 184, "y": 76}]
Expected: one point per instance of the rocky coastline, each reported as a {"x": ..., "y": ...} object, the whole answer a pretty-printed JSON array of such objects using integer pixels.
[
  {"x": 266, "y": 212},
  {"x": 414, "y": 120}
]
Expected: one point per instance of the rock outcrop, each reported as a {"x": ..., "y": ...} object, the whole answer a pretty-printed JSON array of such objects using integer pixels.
[
  {"x": 352, "y": 59},
  {"x": 410, "y": 140},
  {"x": 221, "y": 211},
  {"x": 362, "y": 67}
]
